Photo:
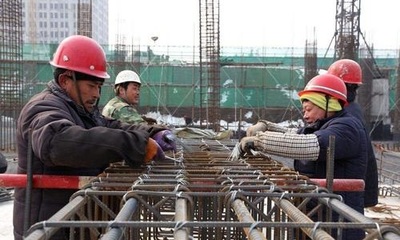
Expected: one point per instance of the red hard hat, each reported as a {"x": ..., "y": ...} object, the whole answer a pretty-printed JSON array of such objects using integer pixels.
[
  {"x": 328, "y": 84},
  {"x": 81, "y": 54},
  {"x": 347, "y": 70}
]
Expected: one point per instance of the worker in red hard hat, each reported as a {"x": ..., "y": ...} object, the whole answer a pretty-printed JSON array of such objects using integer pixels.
[
  {"x": 64, "y": 133},
  {"x": 323, "y": 101},
  {"x": 350, "y": 72}
]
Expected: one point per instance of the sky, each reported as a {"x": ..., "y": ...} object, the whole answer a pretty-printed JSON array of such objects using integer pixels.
[{"x": 263, "y": 23}]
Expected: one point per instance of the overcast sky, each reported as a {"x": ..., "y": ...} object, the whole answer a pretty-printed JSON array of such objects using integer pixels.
[{"x": 268, "y": 23}]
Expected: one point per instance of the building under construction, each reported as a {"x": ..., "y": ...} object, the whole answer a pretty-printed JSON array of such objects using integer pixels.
[
  {"x": 204, "y": 191},
  {"x": 215, "y": 86}
]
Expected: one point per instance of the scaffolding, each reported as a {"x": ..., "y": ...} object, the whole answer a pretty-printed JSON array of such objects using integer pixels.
[
  {"x": 210, "y": 62},
  {"x": 347, "y": 29},
  {"x": 84, "y": 21},
  {"x": 11, "y": 82},
  {"x": 310, "y": 61}
]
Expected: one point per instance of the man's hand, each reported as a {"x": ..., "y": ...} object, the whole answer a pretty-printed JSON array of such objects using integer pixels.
[
  {"x": 153, "y": 152},
  {"x": 166, "y": 139}
]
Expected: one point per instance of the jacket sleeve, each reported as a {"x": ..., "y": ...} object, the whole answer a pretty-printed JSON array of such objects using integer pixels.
[
  {"x": 151, "y": 129},
  {"x": 291, "y": 145},
  {"x": 347, "y": 138},
  {"x": 58, "y": 139},
  {"x": 129, "y": 115},
  {"x": 274, "y": 127},
  {"x": 62, "y": 143}
]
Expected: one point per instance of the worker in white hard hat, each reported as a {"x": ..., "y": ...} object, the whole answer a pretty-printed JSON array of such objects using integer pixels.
[
  {"x": 122, "y": 106},
  {"x": 127, "y": 93}
]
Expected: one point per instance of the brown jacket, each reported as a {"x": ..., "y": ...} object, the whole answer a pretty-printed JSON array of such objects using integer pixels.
[{"x": 69, "y": 141}]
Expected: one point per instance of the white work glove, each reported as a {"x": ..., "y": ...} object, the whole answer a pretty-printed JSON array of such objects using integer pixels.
[
  {"x": 264, "y": 125},
  {"x": 259, "y": 126},
  {"x": 247, "y": 144}
]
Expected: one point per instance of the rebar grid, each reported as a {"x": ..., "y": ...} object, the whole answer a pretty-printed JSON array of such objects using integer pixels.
[{"x": 204, "y": 194}]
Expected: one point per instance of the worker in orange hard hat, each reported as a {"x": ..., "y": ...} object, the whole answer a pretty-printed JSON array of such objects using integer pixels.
[
  {"x": 64, "y": 133},
  {"x": 323, "y": 101},
  {"x": 350, "y": 72}
]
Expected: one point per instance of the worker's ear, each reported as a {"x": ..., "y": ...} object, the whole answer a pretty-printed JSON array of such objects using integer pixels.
[{"x": 64, "y": 81}]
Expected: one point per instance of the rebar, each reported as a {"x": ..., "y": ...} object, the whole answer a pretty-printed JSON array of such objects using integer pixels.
[{"x": 205, "y": 195}]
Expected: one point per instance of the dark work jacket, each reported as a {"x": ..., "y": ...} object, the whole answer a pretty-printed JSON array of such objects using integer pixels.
[
  {"x": 371, "y": 177},
  {"x": 67, "y": 140},
  {"x": 350, "y": 158},
  {"x": 350, "y": 152}
]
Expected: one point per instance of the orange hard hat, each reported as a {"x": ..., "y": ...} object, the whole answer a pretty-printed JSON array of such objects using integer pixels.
[
  {"x": 81, "y": 54},
  {"x": 328, "y": 84},
  {"x": 347, "y": 70}
]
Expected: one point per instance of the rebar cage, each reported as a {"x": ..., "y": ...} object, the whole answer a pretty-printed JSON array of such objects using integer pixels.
[{"x": 202, "y": 193}]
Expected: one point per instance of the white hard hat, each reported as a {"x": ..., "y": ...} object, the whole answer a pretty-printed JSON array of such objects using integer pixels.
[{"x": 127, "y": 76}]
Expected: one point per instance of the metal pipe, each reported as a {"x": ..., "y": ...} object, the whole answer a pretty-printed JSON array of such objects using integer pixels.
[
  {"x": 29, "y": 182},
  {"x": 78, "y": 182},
  {"x": 244, "y": 216},
  {"x": 354, "y": 216},
  {"x": 44, "y": 181},
  {"x": 181, "y": 216},
  {"x": 195, "y": 224},
  {"x": 330, "y": 163},
  {"x": 343, "y": 185},
  {"x": 125, "y": 214},
  {"x": 42, "y": 231},
  {"x": 297, "y": 216}
]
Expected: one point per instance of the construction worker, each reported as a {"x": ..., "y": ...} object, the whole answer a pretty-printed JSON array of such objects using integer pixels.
[
  {"x": 323, "y": 101},
  {"x": 350, "y": 72},
  {"x": 63, "y": 132},
  {"x": 122, "y": 106}
]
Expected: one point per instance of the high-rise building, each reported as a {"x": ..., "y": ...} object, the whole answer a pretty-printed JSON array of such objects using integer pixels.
[{"x": 50, "y": 21}]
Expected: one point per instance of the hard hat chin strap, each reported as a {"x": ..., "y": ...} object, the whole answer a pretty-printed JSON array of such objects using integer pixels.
[
  {"x": 78, "y": 91},
  {"x": 327, "y": 97}
]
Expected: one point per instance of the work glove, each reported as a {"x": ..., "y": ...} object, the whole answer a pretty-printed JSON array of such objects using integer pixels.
[
  {"x": 259, "y": 126},
  {"x": 166, "y": 139},
  {"x": 247, "y": 144},
  {"x": 153, "y": 152},
  {"x": 264, "y": 125}
]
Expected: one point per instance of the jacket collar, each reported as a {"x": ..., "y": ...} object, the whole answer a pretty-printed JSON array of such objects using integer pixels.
[{"x": 59, "y": 92}]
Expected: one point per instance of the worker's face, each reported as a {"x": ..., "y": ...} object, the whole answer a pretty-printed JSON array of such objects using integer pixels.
[
  {"x": 131, "y": 94},
  {"x": 311, "y": 112},
  {"x": 83, "y": 92}
]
